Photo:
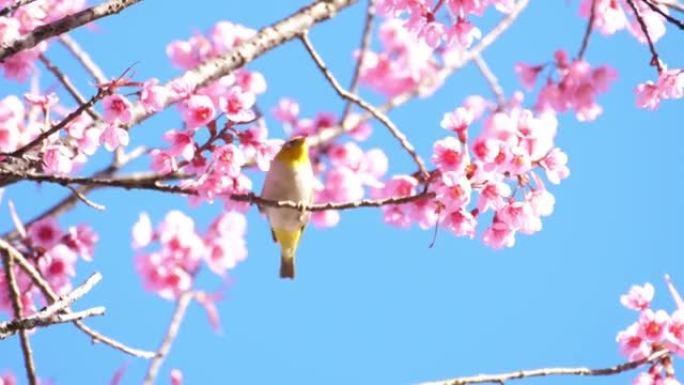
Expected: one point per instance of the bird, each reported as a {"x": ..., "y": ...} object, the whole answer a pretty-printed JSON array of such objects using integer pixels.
[{"x": 289, "y": 178}]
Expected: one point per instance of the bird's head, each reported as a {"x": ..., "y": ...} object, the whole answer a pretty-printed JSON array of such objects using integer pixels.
[{"x": 295, "y": 151}]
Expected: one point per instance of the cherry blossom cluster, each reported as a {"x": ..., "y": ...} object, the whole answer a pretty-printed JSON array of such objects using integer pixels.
[
  {"x": 423, "y": 18},
  {"x": 343, "y": 170},
  {"x": 22, "y": 21},
  {"x": 403, "y": 64},
  {"x": 502, "y": 164},
  {"x": 217, "y": 162},
  {"x": 54, "y": 253},
  {"x": 669, "y": 85},
  {"x": 611, "y": 16},
  {"x": 654, "y": 330},
  {"x": 171, "y": 269},
  {"x": 575, "y": 86}
]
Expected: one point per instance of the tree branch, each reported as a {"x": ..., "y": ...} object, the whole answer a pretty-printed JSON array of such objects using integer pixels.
[
  {"x": 502, "y": 378},
  {"x": 365, "y": 43},
  {"x": 15, "y": 297},
  {"x": 144, "y": 181},
  {"x": 587, "y": 32},
  {"x": 62, "y": 25},
  {"x": 8, "y": 329},
  {"x": 68, "y": 85},
  {"x": 655, "y": 60},
  {"x": 176, "y": 320},
  {"x": 11, "y": 8},
  {"x": 82, "y": 56},
  {"x": 51, "y": 297},
  {"x": 384, "y": 119},
  {"x": 491, "y": 80}
]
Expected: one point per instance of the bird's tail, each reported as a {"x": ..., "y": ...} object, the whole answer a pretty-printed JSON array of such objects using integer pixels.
[
  {"x": 287, "y": 264},
  {"x": 288, "y": 241}
]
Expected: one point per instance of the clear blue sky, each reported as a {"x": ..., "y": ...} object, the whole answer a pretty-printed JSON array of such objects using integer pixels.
[{"x": 373, "y": 304}]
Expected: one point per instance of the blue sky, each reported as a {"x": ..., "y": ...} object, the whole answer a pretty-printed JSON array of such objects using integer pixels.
[{"x": 373, "y": 304}]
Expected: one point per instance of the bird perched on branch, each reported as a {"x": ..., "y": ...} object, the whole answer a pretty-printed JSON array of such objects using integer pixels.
[{"x": 290, "y": 178}]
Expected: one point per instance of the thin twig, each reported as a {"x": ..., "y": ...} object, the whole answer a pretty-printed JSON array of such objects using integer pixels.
[
  {"x": 62, "y": 25},
  {"x": 363, "y": 48},
  {"x": 171, "y": 333},
  {"x": 8, "y": 329},
  {"x": 83, "y": 57},
  {"x": 384, "y": 119},
  {"x": 15, "y": 297},
  {"x": 667, "y": 17},
  {"x": 502, "y": 378},
  {"x": 655, "y": 59},
  {"x": 672, "y": 4},
  {"x": 11, "y": 8},
  {"x": 68, "y": 85},
  {"x": 491, "y": 80},
  {"x": 67, "y": 300},
  {"x": 84, "y": 199},
  {"x": 51, "y": 296},
  {"x": 587, "y": 32},
  {"x": 101, "y": 93}
]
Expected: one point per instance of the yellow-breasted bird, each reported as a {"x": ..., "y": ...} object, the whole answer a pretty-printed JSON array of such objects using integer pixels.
[{"x": 290, "y": 178}]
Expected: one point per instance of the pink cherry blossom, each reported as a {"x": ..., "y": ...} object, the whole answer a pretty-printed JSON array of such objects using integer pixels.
[
  {"x": 117, "y": 107},
  {"x": 460, "y": 222},
  {"x": 153, "y": 97},
  {"x": 45, "y": 233},
  {"x": 528, "y": 74},
  {"x": 81, "y": 240},
  {"x": 238, "y": 105},
  {"x": 555, "y": 165},
  {"x": 225, "y": 241},
  {"x": 499, "y": 235},
  {"x": 638, "y": 297},
  {"x": 176, "y": 377},
  {"x": 449, "y": 154},
  {"x": 286, "y": 111},
  {"x": 632, "y": 344},
  {"x": 162, "y": 161},
  {"x": 114, "y": 136},
  {"x": 57, "y": 160},
  {"x": 652, "y": 325},
  {"x": 182, "y": 143},
  {"x": 197, "y": 111}
]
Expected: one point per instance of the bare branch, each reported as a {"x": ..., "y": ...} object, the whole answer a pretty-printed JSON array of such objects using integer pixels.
[
  {"x": 672, "y": 4},
  {"x": 502, "y": 378},
  {"x": 491, "y": 80},
  {"x": 363, "y": 48},
  {"x": 176, "y": 320},
  {"x": 8, "y": 329},
  {"x": 68, "y": 85},
  {"x": 51, "y": 296},
  {"x": 384, "y": 119},
  {"x": 15, "y": 297},
  {"x": 587, "y": 32},
  {"x": 678, "y": 23},
  {"x": 655, "y": 59},
  {"x": 85, "y": 199},
  {"x": 82, "y": 56},
  {"x": 62, "y": 25}
]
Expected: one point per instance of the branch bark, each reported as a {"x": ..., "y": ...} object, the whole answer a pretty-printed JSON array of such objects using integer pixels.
[
  {"x": 521, "y": 374},
  {"x": 65, "y": 24}
]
